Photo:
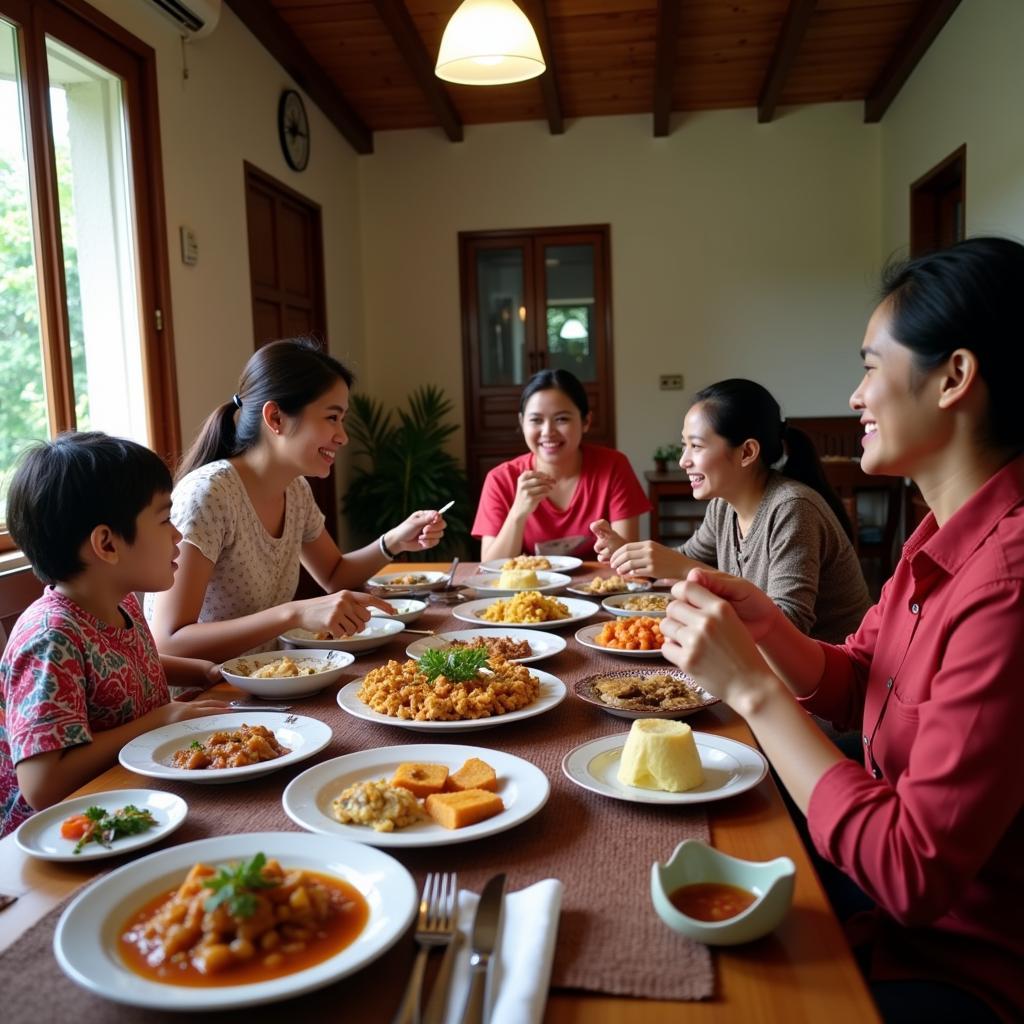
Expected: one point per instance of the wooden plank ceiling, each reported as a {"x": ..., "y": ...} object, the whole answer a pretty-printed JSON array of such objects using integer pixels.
[{"x": 371, "y": 61}]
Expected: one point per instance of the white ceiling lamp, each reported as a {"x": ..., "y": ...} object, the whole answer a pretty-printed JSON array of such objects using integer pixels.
[
  {"x": 572, "y": 330},
  {"x": 489, "y": 42}
]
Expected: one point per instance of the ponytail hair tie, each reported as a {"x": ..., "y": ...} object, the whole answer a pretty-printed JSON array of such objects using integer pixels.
[{"x": 236, "y": 400}]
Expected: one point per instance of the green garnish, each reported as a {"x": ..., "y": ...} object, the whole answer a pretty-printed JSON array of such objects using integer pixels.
[
  {"x": 457, "y": 666},
  {"x": 233, "y": 885},
  {"x": 195, "y": 745},
  {"x": 110, "y": 825}
]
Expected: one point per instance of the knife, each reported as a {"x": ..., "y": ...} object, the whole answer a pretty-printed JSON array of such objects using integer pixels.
[{"x": 486, "y": 927}]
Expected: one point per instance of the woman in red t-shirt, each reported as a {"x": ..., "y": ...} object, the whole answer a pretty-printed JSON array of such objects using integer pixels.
[{"x": 560, "y": 486}]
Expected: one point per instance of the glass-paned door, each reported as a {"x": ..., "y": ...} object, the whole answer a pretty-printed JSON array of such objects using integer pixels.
[{"x": 531, "y": 300}]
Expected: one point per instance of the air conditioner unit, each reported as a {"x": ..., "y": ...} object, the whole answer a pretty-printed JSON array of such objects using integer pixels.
[{"x": 194, "y": 18}]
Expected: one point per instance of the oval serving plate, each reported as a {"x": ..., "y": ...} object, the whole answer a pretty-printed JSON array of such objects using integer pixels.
[
  {"x": 486, "y": 584},
  {"x": 730, "y": 768},
  {"x": 522, "y": 786},
  {"x": 552, "y": 692},
  {"x": 631, "y": 587},
  {"x": 40, "y": 836},
  {"x": 85, "y": 942},
  {"x": 542, "y": 645},
  {"x": 150, "y": 754},
  {"x": 579, "y": 611},
  {"x": 615, "y": 602},
  {"x": 584, "y": 689},
  {"x": 557, "y": 563}
]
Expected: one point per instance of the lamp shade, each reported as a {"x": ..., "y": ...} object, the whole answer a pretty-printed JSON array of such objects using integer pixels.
[
  {"x": 572, "y": 330},
  {"x": 489, "y": 42}
]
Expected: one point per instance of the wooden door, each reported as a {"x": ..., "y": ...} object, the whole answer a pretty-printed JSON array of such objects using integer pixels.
[
  {"x": 532, "y": 300},
  {"x": 287, "y": 277}
]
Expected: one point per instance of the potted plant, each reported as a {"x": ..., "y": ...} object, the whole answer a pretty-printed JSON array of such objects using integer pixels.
[
  {"x": 664, "y": 455},
  {"x": 402, "y": 467}
]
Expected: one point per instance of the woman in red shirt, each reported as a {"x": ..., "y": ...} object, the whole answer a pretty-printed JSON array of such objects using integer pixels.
[
  {"x": 929, "y": 826},
  {"x": 561, "y": 485}
]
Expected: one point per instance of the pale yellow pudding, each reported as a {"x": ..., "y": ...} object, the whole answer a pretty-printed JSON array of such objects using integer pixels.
[
  {"x": 518, "y": 579},
  {"x": 660, "y": 754}
]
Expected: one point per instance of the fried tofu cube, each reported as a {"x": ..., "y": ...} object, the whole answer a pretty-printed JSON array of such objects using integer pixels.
[
  {"x": 420, "y": 779},
  {"x": 474, "y": 774},
  {"x": 457, "y": 810}
]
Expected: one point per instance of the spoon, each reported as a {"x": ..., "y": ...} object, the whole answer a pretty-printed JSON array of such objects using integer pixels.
[{"x": 451, "y": 573}]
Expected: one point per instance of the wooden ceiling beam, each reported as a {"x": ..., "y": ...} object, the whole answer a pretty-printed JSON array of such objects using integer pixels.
[
  {"x": 667, "y": 36},
  {"x": 263, "y": 21},
  {"x": 398, "y": 20},
  {"x": 537, "y": 11},
  {"x": 926, "y": 26},
  {"x": 787, "y": 46}
]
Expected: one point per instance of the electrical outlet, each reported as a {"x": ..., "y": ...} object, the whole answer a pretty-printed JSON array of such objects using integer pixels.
[
  {"x": 189, "y": 247},
  {"x": 671, "y": 382}
]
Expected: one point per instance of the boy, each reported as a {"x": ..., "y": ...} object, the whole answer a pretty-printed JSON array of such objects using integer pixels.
[{"x": 81, "y": 676}]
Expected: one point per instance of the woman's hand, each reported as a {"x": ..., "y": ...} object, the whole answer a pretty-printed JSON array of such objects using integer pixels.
[
  {"x": 343, "y": 613},
  {"x": 606, "y": 540},
  {"x": 647, "y": 558},
  {"x": 422, "y": 530},
  {"x": 705, "y": 637},
  {"x": 753, "y": 607},
  {"x": 532, "y": 488}
]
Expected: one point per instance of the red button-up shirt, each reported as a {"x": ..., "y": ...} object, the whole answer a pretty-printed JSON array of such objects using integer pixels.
[{"x": 934, "y": 677}]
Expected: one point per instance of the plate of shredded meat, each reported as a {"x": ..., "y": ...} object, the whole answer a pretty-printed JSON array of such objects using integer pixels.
[
  {"x": 225, "y": 748},
  {"x": 519, "y": 645},
  {"x": 645, "y": 693},
  {"x": 451, "y": 691}
]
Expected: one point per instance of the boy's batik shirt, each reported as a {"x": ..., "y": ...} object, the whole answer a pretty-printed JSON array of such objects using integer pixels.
[{"x": 66, "y": 675}]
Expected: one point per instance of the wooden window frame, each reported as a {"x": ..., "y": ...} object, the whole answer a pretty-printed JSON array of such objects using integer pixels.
[{"x": 85, "y": 29}]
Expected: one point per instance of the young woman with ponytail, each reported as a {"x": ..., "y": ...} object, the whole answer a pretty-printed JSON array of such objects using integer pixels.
[
  {"x": 248, "y": 517},
  {"x": 783, "y": 529}
]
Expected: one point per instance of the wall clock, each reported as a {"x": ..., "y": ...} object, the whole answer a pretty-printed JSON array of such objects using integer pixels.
[{"x": 293, "y": 129}]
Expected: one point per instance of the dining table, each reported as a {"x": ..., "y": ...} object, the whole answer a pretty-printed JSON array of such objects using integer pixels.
[{"x": 603, "y": 849}]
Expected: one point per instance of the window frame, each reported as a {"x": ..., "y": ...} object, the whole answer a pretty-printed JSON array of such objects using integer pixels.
[{"x": 80, "y": 26}]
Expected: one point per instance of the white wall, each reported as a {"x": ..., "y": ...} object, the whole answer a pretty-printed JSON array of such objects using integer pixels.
[
  {"x": 223, "y": 114},
  {"x": 968, "y": 89},
  {"x": 738, "y": 249}
]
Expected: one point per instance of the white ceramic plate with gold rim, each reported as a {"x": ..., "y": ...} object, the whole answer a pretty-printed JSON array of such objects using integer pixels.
[
  {"x": 85, "y": 942},
  {"x": 522, "y": 786},
  {"x": 730, "y": 768}
]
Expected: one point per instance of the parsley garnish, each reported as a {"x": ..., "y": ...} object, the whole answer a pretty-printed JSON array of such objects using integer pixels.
[
  {"x": 233, "y": 884},
  {"x": 108, "y": 826},
  {"x": 459, "y": 665},
  {"x": 195, "y": 745}
]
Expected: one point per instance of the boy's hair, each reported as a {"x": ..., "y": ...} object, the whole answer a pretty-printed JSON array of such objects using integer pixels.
[{"x": 63, "y": 489}]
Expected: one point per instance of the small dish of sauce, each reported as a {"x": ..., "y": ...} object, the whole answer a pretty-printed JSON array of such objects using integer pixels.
[{"x": 711, "y": 901}]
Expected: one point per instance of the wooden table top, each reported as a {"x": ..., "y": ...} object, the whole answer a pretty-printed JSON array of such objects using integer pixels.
[{"x": 803, "y": 972}]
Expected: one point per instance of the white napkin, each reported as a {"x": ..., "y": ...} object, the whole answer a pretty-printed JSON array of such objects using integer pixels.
[{"x": 521, "y": 965}]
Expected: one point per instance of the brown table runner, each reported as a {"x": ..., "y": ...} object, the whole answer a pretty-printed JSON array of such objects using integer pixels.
[{"x": 610, "y": 939}]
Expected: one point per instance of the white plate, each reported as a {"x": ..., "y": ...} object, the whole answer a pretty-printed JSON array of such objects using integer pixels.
[
  {"x": 579, "y": 611},
  {"x": 552, "y": 693},
  {"x": 377, "y": 632},
  {"x": 40, "y": 835},
  {"x": 730, "y": 768},
  {"x": 522, "y": 786},
  {"x": 632, "y": 587},
  {"x": 85, "y": 942},
  {"x": 614, "y": 604},
  {"x": 382, "y": 584},
  {"x": 559, "y": 563},
  {"x": 150, "y": 753},
  {"x": 587, "y": 634},
  {"x": 542, "y": 645},
  {"x": 333, "y": 662},
  {"x": 486, "y": 584},
  {"x": 407, "y": 609}
]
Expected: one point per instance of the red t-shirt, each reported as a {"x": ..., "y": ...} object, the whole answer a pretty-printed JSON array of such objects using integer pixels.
[
  {"x": 934, "y": 677},
  {"x": 607, "y": 489}
]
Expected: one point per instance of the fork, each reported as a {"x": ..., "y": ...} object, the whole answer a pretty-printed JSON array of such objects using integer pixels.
[{"x": 435, "y": 926}]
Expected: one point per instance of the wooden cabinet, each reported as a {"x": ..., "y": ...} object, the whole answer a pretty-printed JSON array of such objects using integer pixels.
[
  {"x": 675, "y": 514},
  {"x": 532, "y": 300}
]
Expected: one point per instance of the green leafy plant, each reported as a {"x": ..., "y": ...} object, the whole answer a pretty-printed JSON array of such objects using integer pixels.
[
  {"x": 667, "y": 453},
  {"x": 404, "y": 466},
  {"x": 456, "y": 666},
  {"x": 235, "y": 884}
]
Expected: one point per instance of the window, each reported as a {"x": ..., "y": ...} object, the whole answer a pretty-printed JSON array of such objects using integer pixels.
[{"x": 84, "y": 320}]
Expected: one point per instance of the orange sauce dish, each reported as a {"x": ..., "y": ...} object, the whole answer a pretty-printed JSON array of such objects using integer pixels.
[
  {"x": 711, "y": 901},
  {"x": 302, "y": 920}
]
